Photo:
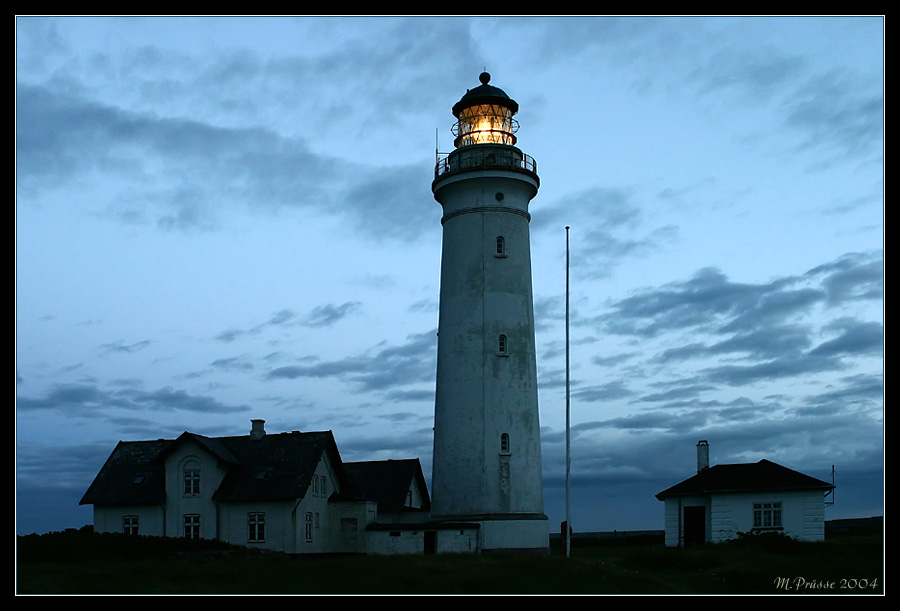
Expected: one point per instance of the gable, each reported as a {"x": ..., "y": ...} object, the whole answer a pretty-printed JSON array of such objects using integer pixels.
[{"x": 388, "y": 482}]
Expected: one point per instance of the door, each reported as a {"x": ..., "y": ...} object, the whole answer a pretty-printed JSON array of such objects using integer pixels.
[{"x": 694, "y": 525}]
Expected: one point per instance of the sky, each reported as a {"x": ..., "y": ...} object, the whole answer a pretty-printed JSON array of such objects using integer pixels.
[{"x": 221, "y": 219}]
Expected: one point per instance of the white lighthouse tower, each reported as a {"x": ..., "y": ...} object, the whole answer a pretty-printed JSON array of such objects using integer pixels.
[{"x": 487, "y": 447}]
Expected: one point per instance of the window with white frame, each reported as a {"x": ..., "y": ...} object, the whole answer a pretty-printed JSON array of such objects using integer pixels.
[
  {"x": 767, "y": 514},
  {"x": 192, "y": 478},
  {"x": 192, "y": 526},
  {"x": 130, "y": 525},
  {"x": 256, "y": 526},
  {"x": 308, "y": 530}
]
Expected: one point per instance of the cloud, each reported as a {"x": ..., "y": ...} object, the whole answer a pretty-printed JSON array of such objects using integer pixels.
[
  {"x": 119, "y": 346},
  {"x": 700, "y": 301},
  {"x": 834, "y": 109},
  {"x": 852, "y": 277},
  {"x": 329, "y": 314},
  {"x": 233, "y": 364},
  {"x": 772, "y": 370},
  {"x": 381, "y": 368},
  {"x": 855, "y": 338},
  {"x": 609, "y": 229},
  {"x": 61, "y": 137},
  {"x": 324, "y": 315},
  {"x": 710, "y": 302},
  {"x": 603, "y": 392},
  {"x": 755, "y": 73},
  {"x": 88, "y": 400}
]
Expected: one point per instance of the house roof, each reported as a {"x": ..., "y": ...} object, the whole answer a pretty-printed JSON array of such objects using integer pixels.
[
  {"x": 277, "y": 466},
  {"x": 130, "y": 476},
  {"x": 745, "y": 477},
  {"x": 387, "y": 482}
]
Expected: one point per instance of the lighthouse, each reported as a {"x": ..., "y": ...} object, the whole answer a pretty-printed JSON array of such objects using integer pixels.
[{"x": 487, "y": 447}]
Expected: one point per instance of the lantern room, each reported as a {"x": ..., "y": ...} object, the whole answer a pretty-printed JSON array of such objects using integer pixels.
[
  {"x": 484, "y": 134},
  {"x": 485, "y": 116}
]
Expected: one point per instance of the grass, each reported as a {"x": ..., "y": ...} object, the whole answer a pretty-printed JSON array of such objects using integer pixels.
[{"x": 81, "y": 562}]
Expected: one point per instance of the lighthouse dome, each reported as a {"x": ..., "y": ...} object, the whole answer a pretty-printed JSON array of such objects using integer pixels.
[{"x": 485, "y": 94}]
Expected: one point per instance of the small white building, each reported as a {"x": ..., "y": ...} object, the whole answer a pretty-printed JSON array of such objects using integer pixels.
[
  {"x": 286, "y": 492},
  {"x": 721, "y": 501}
]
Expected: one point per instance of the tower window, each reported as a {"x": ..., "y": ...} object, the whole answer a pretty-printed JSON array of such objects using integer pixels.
[
  {"x": 501, "y": 247},
  {"x": 504, "y": 443},
  {"x": 502, "y": 345}
]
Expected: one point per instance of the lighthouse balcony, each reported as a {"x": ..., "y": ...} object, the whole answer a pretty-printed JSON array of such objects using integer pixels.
[{"x": 484, "y": 157}]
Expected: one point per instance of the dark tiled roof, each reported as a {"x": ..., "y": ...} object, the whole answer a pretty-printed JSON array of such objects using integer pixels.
[
  {"x": 130, "y": 476},
  {"x": 749, "y": 477},
  {"x": 277, "y": 466},
  {"x": 387, "y": 481}
]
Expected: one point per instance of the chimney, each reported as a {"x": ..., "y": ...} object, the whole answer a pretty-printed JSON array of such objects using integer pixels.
[
  {"x": 258, "y": 430},
  {"x": 702, "y": 455}
]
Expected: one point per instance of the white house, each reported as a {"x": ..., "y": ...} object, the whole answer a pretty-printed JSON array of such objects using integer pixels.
[
  {"x": 721, "y": 501},
  {"x": 288, "y": 492}
]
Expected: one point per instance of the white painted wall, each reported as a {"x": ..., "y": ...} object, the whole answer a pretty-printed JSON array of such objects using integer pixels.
[
  {"x": 459, "y": 541},
  {"x": 178, "y": 504},
  {"x": 279, "y": 528},
  {"x": 480, "y": 394},
  {"x": 385, "y": 542},
  {"x": 803, "y": 515},
  {"x": 108, "y": 519}
]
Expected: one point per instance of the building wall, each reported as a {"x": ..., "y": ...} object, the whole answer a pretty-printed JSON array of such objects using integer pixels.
[
  {"x": 278, "y": 519},
  {"x": 672, "y": 522},
  {"x": 674, "y": 517},
  {"x": 348, "y": 521},
  {"x": 110, "y": 519},
  {"x": 457, "y": 541},
  {"x": 180, "y": 503},
  {"x": 313, "y": 520},
  {"x": 722, "y": 519},
  {"x": 385, "y": 542},
  {"x": 803, "y": 515}
]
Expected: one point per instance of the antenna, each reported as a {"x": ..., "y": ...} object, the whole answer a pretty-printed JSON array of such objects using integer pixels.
[{"x": 831, "y": 492}]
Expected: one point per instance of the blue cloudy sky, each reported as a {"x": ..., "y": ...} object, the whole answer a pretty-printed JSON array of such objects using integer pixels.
[{"x": 220, "y": 219}]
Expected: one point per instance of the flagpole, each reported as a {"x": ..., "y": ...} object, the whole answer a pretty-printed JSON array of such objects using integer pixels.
[{"x": 568, "y": 538}]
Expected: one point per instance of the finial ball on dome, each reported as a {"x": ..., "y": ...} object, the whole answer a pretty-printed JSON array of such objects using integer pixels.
[{"x": 484, "y": 77}]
